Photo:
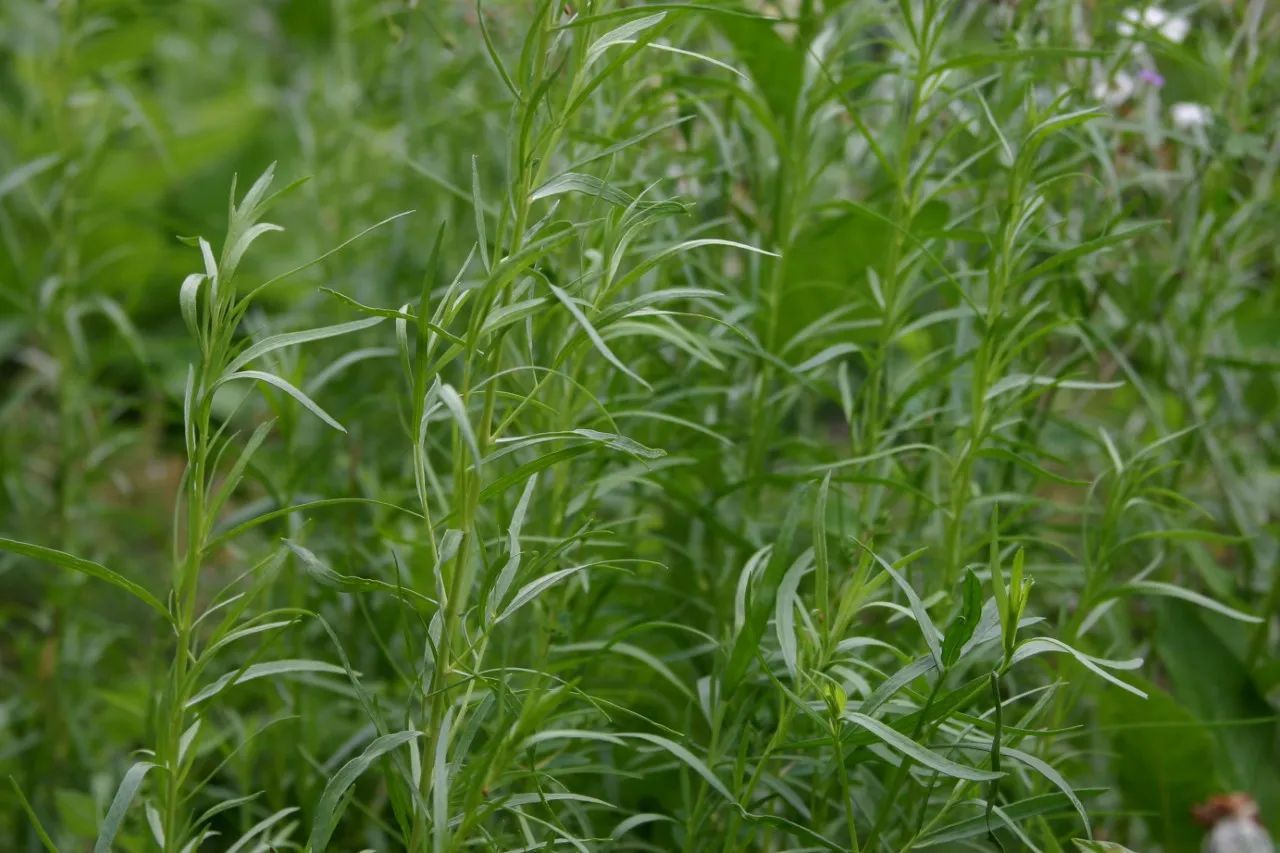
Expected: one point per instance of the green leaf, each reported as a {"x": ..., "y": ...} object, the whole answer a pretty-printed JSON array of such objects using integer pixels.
[
  {"x": 927, "y": 628},
  {"x": 458, "y": 410},
  {"x": 572, "y": 182},
  {"x": 260, "y": 828},
  {"x": 189, "y": 301},
  {"x": 31, "y": 816},
  {"x": 1173, "y": 591},
  {"x": 494, "y": 56},
  {"x": 332, "y": 802},
  {"x": 94, "y": 570},
  {"x": 263, "y": 670},
  {"x": 440, "y": 785},
  {"x": 225, "y": 805},
  {"x": 1085, "y": 845},
  {"x": 785, "y": 611},
  {"x": 620, "y": 35},
  {"x": 776, "y": 66},
  {"x": 1085, "y": 249},
  {"x": 1018, "y": 812},
  {"x": 508, "y": 573},
  {"x": 237, "y": 250},
  {"x": 568, "y": 302},
  {"x": 1163, "y": 760},
  {"x": 232, "y": 481},
  {"x": 993, "y": 57},
  {"x": 821, "y": 560},
  {"x": 1009, "y": 456},
  {"x": 288, "y": 339},
  {"x": 128, "y": 789},
  {"x": 1099, "y": 666},
  {"x": 763, "y": 596},
  {"x": 966, "y": 622},
  {"x": 692, "y": 761},
  {"x": 908, "y": 747},
  {"x": 1047, "y": 771},
  {"x": 285, "y": 386},
  {"x": 477, "y": 202},
  {"x": 27, "y": 171},
  {"x": 534, "y": 588},
  {"x": 323, "y": 574},
  {"x": 1204, "y": 657},
  {"x": 391, "y": 313}
]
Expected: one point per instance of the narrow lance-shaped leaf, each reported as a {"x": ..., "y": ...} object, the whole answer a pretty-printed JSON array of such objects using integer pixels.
[
  {"x": 285, "y": 386},
  {"x": 785, "y": 611},
  {"x": 508, "y": 574},
  {"x": 87, "y": 567},
  {"x": 263, "y": 670},
  {"x": 128, "y": 789},
  {"x": 1021, "y": 810},
  {"x": 232, "y": 481},
  {"x": 692, "y": 761},
  {"x": 458, "y": 410},
  {"x": 820, "y": 559},
  {"x": 260, "y": 828},
  {"x": 905, "y": 745},
  {"x": 478, "y": 203},
  {"x": 26, "y": 172},
  {"x": 233, "y": 256},
  {"x": 925, "y": 623},
  {"x": 1169, "y": 590},
  {"x": 531, "y": 590},
  {"x": 620, "y": 35},
  {"x": 596, "y": 340},
  {"x": 188, "y": 302},
  {"x": 1048, "y": 645},
  {"x": 440, "y": 786},
  {"x": 31, "y": 816},
  {"x": 287, "y": 339},
  {"x": 331, "y": 804},
  {"x": 572, "y": 182},
  {"x": 392, "y": 313},
  {"x": 319, "y": 571},
  {"x": 966, "y": 622}
]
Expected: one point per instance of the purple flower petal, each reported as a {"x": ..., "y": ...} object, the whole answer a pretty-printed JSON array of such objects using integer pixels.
[{"x": 1153, "y": 77}]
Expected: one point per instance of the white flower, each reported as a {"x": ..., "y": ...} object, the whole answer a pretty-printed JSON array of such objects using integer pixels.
[
  {"x": 1115, "y": 91},
  {"x": 1235, "y": 827},
  {"x": 1171, "y": 26},
  {"x": 1189, "y": 116}
]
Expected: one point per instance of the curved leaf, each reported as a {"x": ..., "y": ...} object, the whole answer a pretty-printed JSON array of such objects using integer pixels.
[
  {"x": 87, "y": 567},
  {"x": 908, "y": 747},
  {"x": 128, "y": 789},
  {"x": 285, "y": 386},
  {"x": 331, "y": 804}
]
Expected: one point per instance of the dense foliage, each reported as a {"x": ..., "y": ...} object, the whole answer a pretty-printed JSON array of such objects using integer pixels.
[{"x": 713, "y": 426}]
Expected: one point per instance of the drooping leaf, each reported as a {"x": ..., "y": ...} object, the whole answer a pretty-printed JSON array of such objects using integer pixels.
[
  {"x": 900, "y": 743},
  {"x": 263, "y": 670},
  {"x": 87, "y": 567},
  {"x": 288, "y": 388}
]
